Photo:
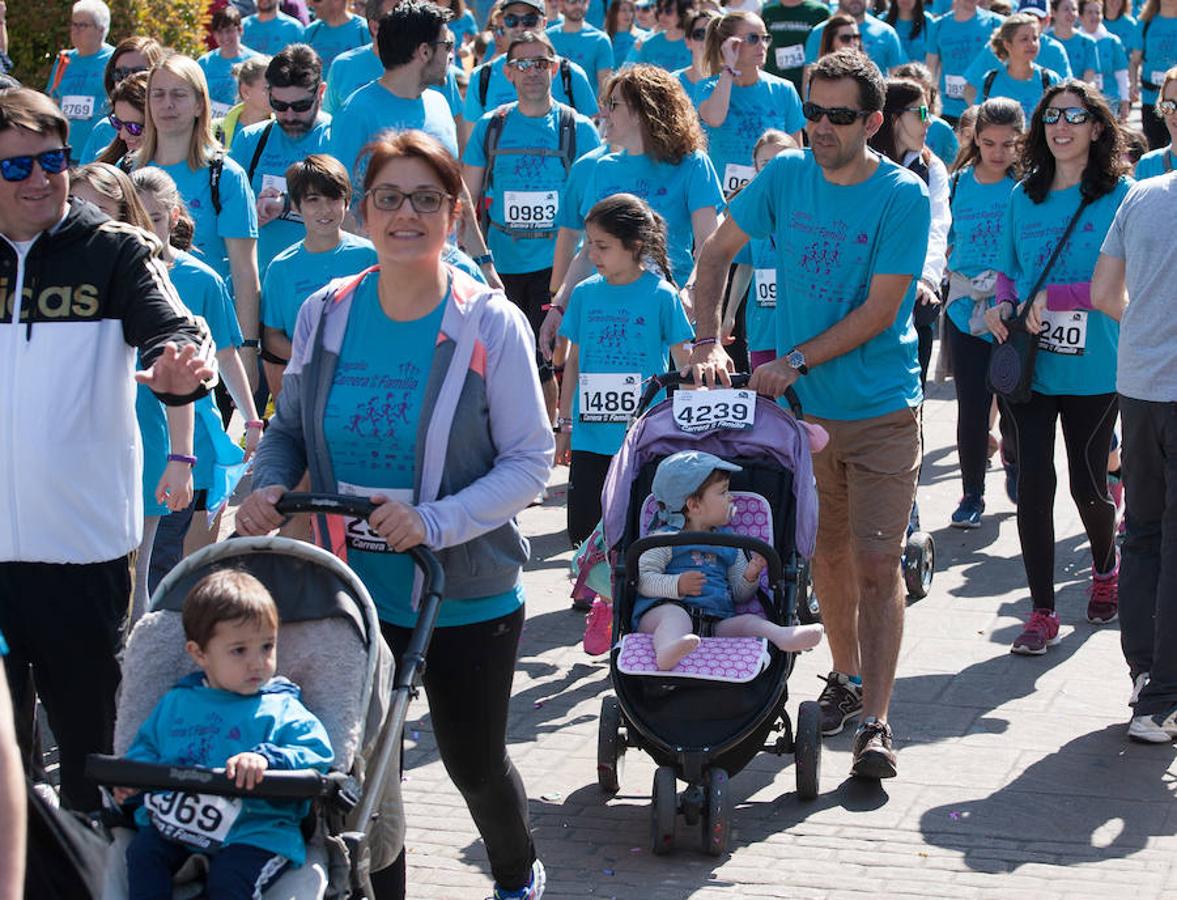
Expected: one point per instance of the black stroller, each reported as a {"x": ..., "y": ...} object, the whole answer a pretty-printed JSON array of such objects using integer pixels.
[{"x": 704, "y": 722}]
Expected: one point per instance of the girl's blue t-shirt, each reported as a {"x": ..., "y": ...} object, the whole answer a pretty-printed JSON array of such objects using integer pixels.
[
  {"x": 1127, "y": 29},
  {"x": 1112, "y": 59},
  {"x": 371, "y": 425},
  {"x": 100, "y": 137},
  {"x": 81, "y": 94},
  {"x": 153, "y": 433},
  {"x": 1160, "y": 53},
  {"x": 623, "y": 329},
  {"x": 673, "y": 191},
  {"x": 528, "y": 187},
  {"x": 272, "y": 36},
  {"x": 656, "y": 50},
  {"x": 1080, "y": 358},
  {"x": 462, "y": 27},
  {"x": 296, "y": 273},
  {"x": 1027, "y": 92},
  {"x": 1161, "y": 161},
  {"x": 623, "y": 42},
  {"x": 238, "y": 217},
  {"x": 879, "y": 41},
  {"x": 914, "y": 48},
  {"x": 957, "y": 44},
  {"x": 1082, "y": 52},
  {"x": 760, "y": 307},
  {"x": 831, "y": 241},
  {"x": 978, "y": 214},
  {"x": 218, "y": 72},
  {"x": 771, "y": 102},
  {"x": 942, "y": 140},
  {"x": 330, "y": 41}
]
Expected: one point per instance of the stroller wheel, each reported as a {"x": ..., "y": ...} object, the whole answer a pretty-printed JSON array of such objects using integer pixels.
[
  {"x": 664, "y": 810},
  {"x": 807, "y": 749},
  {"x": 717, "y": 813},
  {"x": 919, "y": 564},
  {"x": 610, "y": 747}
]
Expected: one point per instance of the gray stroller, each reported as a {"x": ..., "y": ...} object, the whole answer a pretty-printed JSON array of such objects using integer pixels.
[{"x": 330, "y": 645}]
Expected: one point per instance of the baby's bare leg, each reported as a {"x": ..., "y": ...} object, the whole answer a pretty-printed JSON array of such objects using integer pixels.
[
  {"x": 797, "y": 637},
  {"x": 671, "y": 627}
]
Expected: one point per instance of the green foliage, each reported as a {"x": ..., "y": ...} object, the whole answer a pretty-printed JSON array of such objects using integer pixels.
[{"x": 38, "y": 30}]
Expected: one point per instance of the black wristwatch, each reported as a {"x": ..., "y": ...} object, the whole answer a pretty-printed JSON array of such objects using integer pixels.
[{"x": 796, "y": 359}]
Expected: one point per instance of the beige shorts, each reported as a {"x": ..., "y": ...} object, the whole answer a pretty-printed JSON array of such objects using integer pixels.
[{"x": 866, "y": 480}]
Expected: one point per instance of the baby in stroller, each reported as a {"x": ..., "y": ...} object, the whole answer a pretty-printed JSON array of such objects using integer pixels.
[
  {"x": 234, "y": 713},
  {"x": 692, "y": 591}
]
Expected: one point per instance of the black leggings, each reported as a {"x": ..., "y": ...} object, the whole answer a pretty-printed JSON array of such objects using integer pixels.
[
  {"x": 586, "y": 478},
  {"x": 1087, "y": 430},
  {"x": 467, "y": 680},
  {"x": 1154, "y": 127},
  {"x": 970, "y": 364}
]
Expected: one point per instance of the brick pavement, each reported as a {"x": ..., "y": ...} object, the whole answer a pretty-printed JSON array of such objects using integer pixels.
[{"x": 1016, "y": 776}]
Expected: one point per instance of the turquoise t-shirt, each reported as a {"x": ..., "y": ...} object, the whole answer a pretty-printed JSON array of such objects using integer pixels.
[
  {"x": 1112, "y": 59},
  {"x": 590, "y": 48},
  {"x": 1082, "y": 51},
  {"x": 100, "y": 137},
  {"x": 330, "y": 41},
  {"x": 771, "y": 102},
  {"x": 595, "y": 13},
  {"x": 623, "y": 42},
  {"x": 82, "y": 92},
  {"x": 673, "y": 191},
  {"x": 238, "y": 218},
  {"x": 760, "y": 307},
  {"x": 272, "y": 36},
  {"x": 296, "y": 273},
  {"x": 656, "y": 50},
  {"x": 1051, "y": 55},
  {"x": 204, "y": 292},
  {"x": 957, "y": 44},
  {"x": 374, "y": 109},
  {"x": 1027, "y": 92},
  {"x": 1160, "y": 53},
  {"x": 577, "y": 181},
  {"x": 914, "y": 48},
  {"x": 623, "y": 329},
  {"x": 942, "y": 140},
  {"x": 499, "y": 90},
  {"x": 371, "y": 426},
  {"x": 360, "y": 66},
  {"x": 528, "y": 186},
  {"x": 218, "y": 72},
  {"x": 978, "y": 215},
  {"x": 1082, "y": 358},
  {"x": 153, "y": 434},
  {"x": 462, "y": 27},
  {"x": 1127, "y": 29},
  {"x": 688, "y": 87},
  {"x": 879, "y": 41},
  {"x": 1161, "y": 161},
  {"x": 831, "y": 241},
  {"x": 279, "y": 152}
]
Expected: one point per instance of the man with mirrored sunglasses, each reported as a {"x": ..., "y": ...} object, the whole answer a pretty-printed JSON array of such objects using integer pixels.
[
  {"x": 851, "y": 232},
  {"x": 81, "y": 295}
]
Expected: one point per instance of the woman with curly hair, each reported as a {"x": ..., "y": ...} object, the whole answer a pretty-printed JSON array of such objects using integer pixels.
[{"x": 1074, "y": 183}]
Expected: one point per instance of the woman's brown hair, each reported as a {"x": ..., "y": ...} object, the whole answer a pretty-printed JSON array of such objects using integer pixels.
[
  {"x": 670, "y": 126},
  {"x": 131, "y": 90},
  {"x": 414, "y": 145}
]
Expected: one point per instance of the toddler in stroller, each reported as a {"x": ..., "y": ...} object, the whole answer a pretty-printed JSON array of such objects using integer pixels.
[{"x": 689, "y": 592}]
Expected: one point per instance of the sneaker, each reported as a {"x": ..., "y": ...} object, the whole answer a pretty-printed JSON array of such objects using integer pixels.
[
  {"x": 968, "y": 514},
  {"x": 1138, "y": 685},
  {"x": 1116, "y": 490},
  {"x": 598, "y": 629},
  {"x": 533, "y": 890},
  {"x": 873, "y": 756},
  {"x": 840, "y": 701},
  {"x": 1103, "y": 604},
  {"x": 582, "y": 604},
  {"x": 1040, "y": 632},
  {"x": 1156, "y": 729}
]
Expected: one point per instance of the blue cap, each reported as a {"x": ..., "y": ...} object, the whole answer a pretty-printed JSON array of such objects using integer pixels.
[
  {"x": 680, "y": 474},
  {"x": 1034, "y": 7}
]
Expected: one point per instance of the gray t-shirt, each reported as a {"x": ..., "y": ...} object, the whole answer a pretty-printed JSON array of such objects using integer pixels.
[{"x": 1142, "y": 236}]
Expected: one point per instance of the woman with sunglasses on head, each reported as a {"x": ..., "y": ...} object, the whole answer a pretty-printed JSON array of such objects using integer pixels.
[
  {"x": 1074, "y": 179},
  {"x": 840, "y": 33},
  {"x": 1163, "y": 160},
  {"x": 667, "y": 47},
  {"x": 698, "y": 22},
  {"x": 132, "y": 56},
  {"x": 1015, "y": 43},
  {"x": 622, "y": 28},
  {"x": 453, "y": 484},
  {"x": 740, "y": 101},
  {"x": 912, "y": 24}
]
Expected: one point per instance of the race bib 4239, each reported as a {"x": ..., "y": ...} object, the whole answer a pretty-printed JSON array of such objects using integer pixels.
[{"x": 731, "y": 408}]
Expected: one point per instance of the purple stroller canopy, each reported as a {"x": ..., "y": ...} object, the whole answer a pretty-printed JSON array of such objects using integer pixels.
[{"x": 776, "y": 436}]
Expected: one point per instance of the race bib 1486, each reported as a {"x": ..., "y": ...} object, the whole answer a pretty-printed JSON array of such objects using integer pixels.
[{"x": 609, "y": 397}]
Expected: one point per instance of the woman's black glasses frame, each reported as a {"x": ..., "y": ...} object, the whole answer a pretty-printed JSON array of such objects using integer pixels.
[
  {"x": 18, "y": 168},
  {"x": 531, "y": 20},
  {"x": 1075, "y": 115},
  {"x": 838, "y": 115},
  {"x": 424, "y": 201}
]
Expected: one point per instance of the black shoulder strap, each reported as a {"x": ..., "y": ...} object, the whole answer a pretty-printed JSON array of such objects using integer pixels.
[
  {"x": 1045, "y": 79},
  {"x": 952, "y": 187},
  {"x": 257, "y": 151},
  {"x": 990, "y": 77},
  {"x": 1054, "y": 255},
  {"x": 483, "y": 85},
  {"x": 567, "y": 137},
  {"x": 566, "y": 80},
  {"x": 490, "y": 148},
  {"x": 215, "y": 167}
]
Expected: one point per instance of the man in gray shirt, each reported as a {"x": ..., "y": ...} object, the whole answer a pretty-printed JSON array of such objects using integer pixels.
[{"x": 1140, "y": 255}]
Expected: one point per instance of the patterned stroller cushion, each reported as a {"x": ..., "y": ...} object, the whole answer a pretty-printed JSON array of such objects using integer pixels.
[{"x": 732, "y": 659}]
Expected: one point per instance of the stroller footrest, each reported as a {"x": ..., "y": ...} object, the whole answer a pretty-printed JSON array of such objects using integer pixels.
[{"x": 732, "y": 659}]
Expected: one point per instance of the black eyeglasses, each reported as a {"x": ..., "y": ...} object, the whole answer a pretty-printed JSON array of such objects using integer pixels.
[
  {"x": 838, "y": 115},
  {"x": 1167, "y": 107},
  {"x": 448, "y": 43},
  {"x": 848, "y": 38},
  {"x": 921, "y": 111},
  {"x": 391, "y": 199},
  {"x": 699, "y": 34},
  {"x": 531, "y": 20},
  {"x": 755, "y": 39},
  {"x": 121, "y": 72},
  {"x": 614, "y": 103},
  {"x": 1075, "y": 115},
  {"x": 18, "y": 168},
  {"x": 534, "y": 62},
  {"x": 134, "y": 129}
]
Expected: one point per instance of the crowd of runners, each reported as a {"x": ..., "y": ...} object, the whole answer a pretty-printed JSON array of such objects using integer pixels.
[{"x": 422, "y": 253}]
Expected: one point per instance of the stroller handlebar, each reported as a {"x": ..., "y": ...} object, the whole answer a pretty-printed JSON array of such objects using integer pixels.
[
  {"x": 299, "y": 784},
  {"x": 672, "y": 380}
]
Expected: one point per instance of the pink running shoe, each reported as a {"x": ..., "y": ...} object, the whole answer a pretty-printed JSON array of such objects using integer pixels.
[
  {"x": 1040, "y": 632},
  {"x": 1103, "y": 604},
  {"x": 598, "y": 629}
]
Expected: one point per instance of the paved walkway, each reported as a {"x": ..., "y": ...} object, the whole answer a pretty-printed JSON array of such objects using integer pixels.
[{"x": 1016, "y": 776}]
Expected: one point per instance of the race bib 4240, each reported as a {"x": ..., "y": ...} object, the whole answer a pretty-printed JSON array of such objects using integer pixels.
[
  {"x": 1064, "y": 333},
  {"x": 198, "y": 820}
]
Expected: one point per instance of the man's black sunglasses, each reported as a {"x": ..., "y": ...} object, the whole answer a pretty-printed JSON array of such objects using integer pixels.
[{"x": 838, "y": 115}]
